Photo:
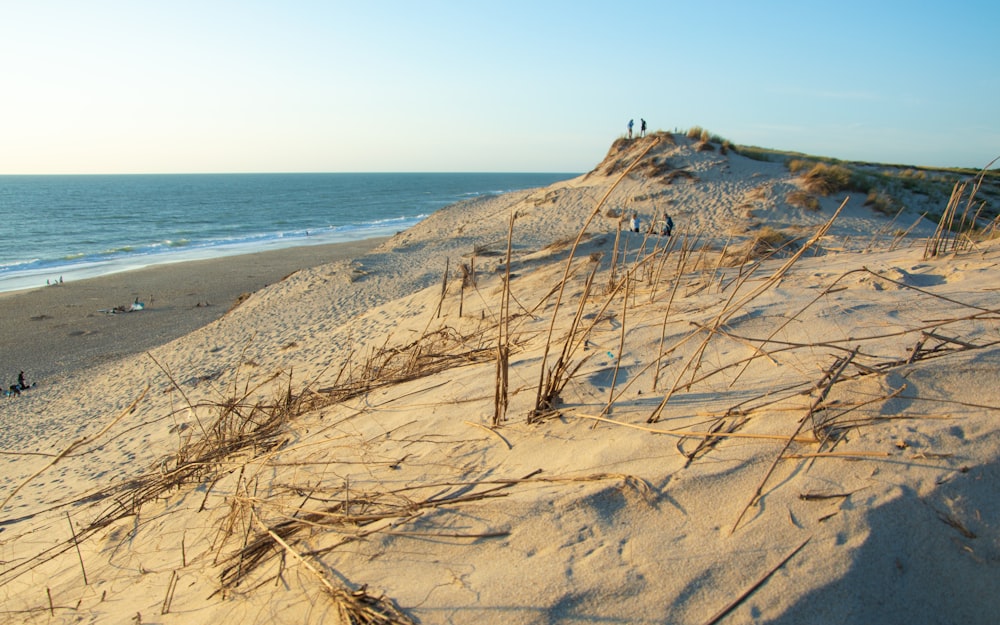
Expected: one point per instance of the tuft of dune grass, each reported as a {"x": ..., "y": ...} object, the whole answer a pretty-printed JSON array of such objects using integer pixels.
[
  {"x": 803, "y": 199},
  {"x": 825, "y": 179},
  {"x": 797, "y": 165},
  {"x": 767, "y": 241},
  {"x": 881, "y": 202}
]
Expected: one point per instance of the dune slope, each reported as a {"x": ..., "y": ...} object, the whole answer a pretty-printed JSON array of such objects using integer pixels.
[{"x": 776, "y": 415}]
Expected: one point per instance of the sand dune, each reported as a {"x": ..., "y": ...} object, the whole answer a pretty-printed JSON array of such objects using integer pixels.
[{"x": 641, "y": 429}]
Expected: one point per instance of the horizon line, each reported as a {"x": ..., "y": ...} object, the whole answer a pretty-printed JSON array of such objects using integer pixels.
[{"x": 265, "y": 173}]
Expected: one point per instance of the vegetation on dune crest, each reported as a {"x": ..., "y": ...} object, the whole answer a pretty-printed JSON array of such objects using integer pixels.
[
  {"x": 825, "y": 179},
  {"x": 887, "y": 188},
  {"x": 960, "y": 226}
]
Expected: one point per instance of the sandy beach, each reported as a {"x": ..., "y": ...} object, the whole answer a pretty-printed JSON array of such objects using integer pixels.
[
  {"x": 518, "y": 411},
  {"x": 54, "y": 331}
]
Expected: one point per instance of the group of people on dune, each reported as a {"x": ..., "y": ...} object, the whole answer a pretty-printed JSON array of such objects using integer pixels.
[
  {"x": 642, "y": 127},
  {"x": 663, "y": 227}
]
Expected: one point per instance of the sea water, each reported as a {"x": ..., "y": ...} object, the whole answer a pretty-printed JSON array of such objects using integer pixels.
[{"x": 56, "y": 228}]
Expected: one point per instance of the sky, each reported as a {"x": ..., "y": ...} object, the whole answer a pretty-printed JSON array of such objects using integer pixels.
[{"x": 503, "y": 85}]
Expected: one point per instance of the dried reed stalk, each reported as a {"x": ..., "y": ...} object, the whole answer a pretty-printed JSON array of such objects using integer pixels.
[
  {"x": 655, "y": 275},
  {"x": 613, "y": 273},
  {"x": 355, "y": 607},
  {"x": 239, "y": 428},
  {"x": 798, "y": 438},
  {"x": 708, "y": 443},
  {"x": 621, "y": 348},
  {"x": 898, "y": 238},
  {"x": 732, "y": 307},
  {"x": 432, "y": 353},
  {"x": 885, "y": 228},
  {"x": 838, "y": 454},
  {"x": 180, "y": 389},
  {"x": 718, "y": 265},
  {"x": 832, "y": 287},
  {"x": 946, "y": 237},
  {"x": 168, "y": 598},
  {"x": 666, "y": 313},
  {"x": 718, "y": 616},
  {"x": 73, "y": 446},
  {"x": 545, "y": 395},
  {"x": 500, "y": 397},
  {"x": 824, "y": 430},
  {"x": 76, "y": 544},
  {"x": 563, "y": 370},
  {"x": 938, "y": 243},
  {"x": 444, "y": 287},
  {"x": 576, "y": 338},
  {"x": 830, "y": 377},
  {"x": 356, "y": 514}
]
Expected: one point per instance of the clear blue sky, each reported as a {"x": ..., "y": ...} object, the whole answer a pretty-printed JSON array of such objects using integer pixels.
[{"x": 505, "y": 85}]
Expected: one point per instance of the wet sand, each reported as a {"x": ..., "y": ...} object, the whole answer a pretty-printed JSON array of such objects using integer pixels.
[{"x": 54, "y": 331}]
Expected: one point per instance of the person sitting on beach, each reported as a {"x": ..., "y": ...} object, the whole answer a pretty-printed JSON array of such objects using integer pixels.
[
  {"x": 634, "y": 223},
  {"x": 22, "y": 385},
  {"x": 668, "y": 226}
]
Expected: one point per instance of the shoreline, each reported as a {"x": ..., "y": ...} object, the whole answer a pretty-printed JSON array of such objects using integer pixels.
[
  {"x": 29, "y": 279},
  {"x": 54, "y": 331}
]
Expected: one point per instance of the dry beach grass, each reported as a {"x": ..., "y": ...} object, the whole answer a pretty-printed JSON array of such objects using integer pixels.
[{"x": 576, "y": 424}]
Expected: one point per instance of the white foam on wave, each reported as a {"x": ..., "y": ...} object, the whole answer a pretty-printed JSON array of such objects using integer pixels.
[{"x": 34, "y": 277}]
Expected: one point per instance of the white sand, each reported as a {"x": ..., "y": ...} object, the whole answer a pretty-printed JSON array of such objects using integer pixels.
[{"x": 588, "y": 513}]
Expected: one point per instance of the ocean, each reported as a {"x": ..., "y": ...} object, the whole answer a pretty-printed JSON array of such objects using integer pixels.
[{"x": 73, "y": 227}]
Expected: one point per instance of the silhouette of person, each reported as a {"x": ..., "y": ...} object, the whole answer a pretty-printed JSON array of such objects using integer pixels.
[
  {"x": 642, "y": 127},
  {"x": 630, "y": 123}
]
